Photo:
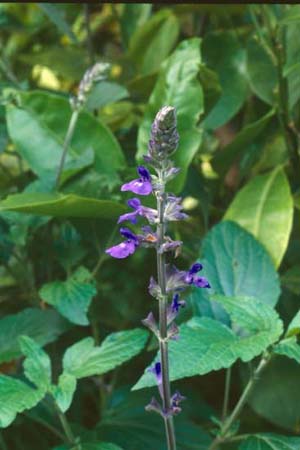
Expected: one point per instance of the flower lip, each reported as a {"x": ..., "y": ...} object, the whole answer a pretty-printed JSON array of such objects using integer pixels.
[
  {"x": 195, "y": 268},
  {"x": 127, "y": 233},
  {"x": 134, "y": 203},
  {"x": 144, "y": 173},
  {"x": 142, "y": 185}
]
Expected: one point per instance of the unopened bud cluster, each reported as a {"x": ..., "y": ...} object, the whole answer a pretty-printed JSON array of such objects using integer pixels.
[{"x": 97, "y": 72}]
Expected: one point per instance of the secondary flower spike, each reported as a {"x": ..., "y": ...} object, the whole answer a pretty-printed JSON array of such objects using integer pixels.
[
  {"x": 164, "y": 136},
  {"x": 142, "y": 185}
]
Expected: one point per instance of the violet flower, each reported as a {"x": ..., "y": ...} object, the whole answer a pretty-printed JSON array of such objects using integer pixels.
[
  {"x": 142, "y": 185},
  {"x": 125, "y": 248},
  {"x": 139, "y": 210}
]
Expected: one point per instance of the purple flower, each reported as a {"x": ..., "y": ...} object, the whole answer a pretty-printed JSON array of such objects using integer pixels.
[
  {"x": 178, "y": 280},
  {"x": 139, "y": 210},
  {"x": 125, "y": 248},
  {"x": 150, "y": 323},
  {"x": 170, "y": 245},
  {"x": 154, "y": 406},
  {"x": 192, "y": 278},
  {"x": 173, "y": 308},
  {"x": 156, "y": 370},
  {"x": 175, "y": 400},
  {"x": 173, "y": 210},
  {"x": 142, "y": 185}
]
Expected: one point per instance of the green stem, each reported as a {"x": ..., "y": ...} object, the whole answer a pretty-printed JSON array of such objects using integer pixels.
[
  {"x": 227, "y": 393},
  {"x": 67, "y": 429},
  {"x": 163, "y": 305},
  {"x": 67, "y": 142},
  {"x": 240, "y": 404}
]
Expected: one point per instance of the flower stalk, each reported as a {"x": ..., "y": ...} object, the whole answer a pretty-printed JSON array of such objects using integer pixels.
[{"x": 170, "y": 281}]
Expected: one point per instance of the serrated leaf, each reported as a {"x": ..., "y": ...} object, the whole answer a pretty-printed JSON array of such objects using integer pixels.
[
  {"x": 37, "y": 364},
  {"x": 64, "y": 391},
  {"x": 72, "y": 297},
  {"x": 270, "y": 441},
  {"x": 289, "y": 347},
  {"x": 44, "y": 326},
  {"x": 15, "y": 397},
  {"x": 61, "y": 205},
  {"x": 206, "y": 344},
  {"x": 126, "y": 423},
  {"x": 83, "y": 359},
  {"x": 236, "y": 265},
  {"x": 264, "y": 207},
  {"x": 178, "y": 86},
  {"x": 294, "y": 326}
]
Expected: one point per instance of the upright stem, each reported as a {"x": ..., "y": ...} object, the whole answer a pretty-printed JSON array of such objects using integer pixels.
[
  {"x": 240, "y": 404},
  {"x": 163, "y": 305},
  {"x": 67, "y": 142},
  {"x": 226, "y": 393},
  {"x": 67, "y": 429}
]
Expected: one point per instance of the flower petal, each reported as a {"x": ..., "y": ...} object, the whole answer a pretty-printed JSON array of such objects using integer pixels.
[
  {"x": 138, "y": 187},
  {"x": 122, "y": 250}
]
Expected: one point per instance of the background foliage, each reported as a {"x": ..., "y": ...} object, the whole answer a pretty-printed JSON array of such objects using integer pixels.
[{"x": 233, "y": 74}]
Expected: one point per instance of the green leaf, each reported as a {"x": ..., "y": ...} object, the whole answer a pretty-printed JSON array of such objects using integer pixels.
[
  {"x": 126, "y": 422},
  {"x": 100, "y": 446},
  {"x": 178, "y": 86},
  {"x": 207, "y": 344},
  {"x": 292, "y": 51},
  {"x": 15, "y": 397},
  {"x": 64, "y": 391},
  {"x": 72, "y": 297},
  {"x": 37, "y": 364},
  {"x": 268, "y": 441},
  {"x": 38, "y": 128},
  {"x": 261, "y": 71},
  {"x": 292, "y": 15},
  {"x": 289, "y": 347},
  {"x": 44, "y": 326},
  {"x": 264, "y": 207},
  {"x": 280, "y": 377},
  {"x": 236, "y": 265},
  {"x": 57, "y": 16},
  {"x": 223, "y": 53},
  {"x": 104, "y": 93},
  {"x": 291, "y": 279},
  {"x": 294, "y": 326},
  {"x": 225, "y": 158},
  {"x": 135, "y": 15},
  {"x": 83, "y": 359},
  {"x": 61, "y": 205},
  {"x": 152, "y": 43}
]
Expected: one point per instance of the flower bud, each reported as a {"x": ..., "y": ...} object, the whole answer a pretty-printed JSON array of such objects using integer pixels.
[{"x": 164, "y": 136}]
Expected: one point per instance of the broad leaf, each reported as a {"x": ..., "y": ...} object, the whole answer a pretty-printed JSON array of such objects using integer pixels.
[
  {"x": 291, "y": 279},
  {"x": 223, "y": 53},
  {"x": 268, "y": 441},
  {"x": 57, "y": 16},
  {"x": 37, "y": 364},
  {"x": 104, "y": 93},
  {"x": 236, "y": 265},
  {"x": 64, "y": 391},
  {"x": 261, "y": 71},
  {"x": 294, "y": 326},
  {"x": 72, "y": 297},
  {"x": 38, "y": 128},
  {"x": 83, "y": 359},
  {"x": 178, "y": 86},
  {"x": 207, "y": 344},
  {"x": 264, "y": 207},
  {"x": 61, "y": 205},
  {"x": 15, "y": 397},
  {"x": 225, "y": 158},
  {"x": 292, "y": 51},
  {"x": 44, "y": 326},
  {"x": 127, "y": 423},
  {"x": 281, "y": 377},
  {"x": 135, "y": 15},
  {"x": 289, "y": 347},
  {"x": 152, "y": 42}
]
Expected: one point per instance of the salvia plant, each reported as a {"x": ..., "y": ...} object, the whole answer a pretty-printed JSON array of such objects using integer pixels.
[{"x": 171, "y": 282}]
